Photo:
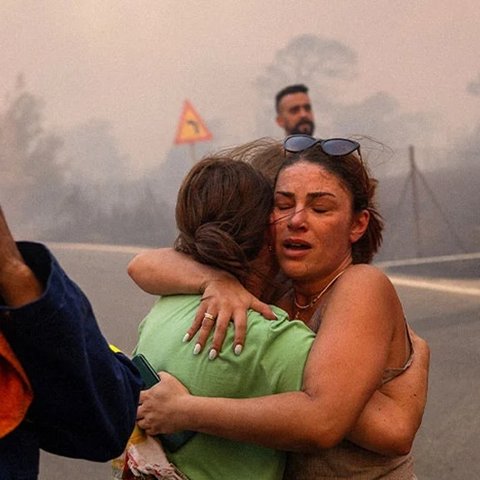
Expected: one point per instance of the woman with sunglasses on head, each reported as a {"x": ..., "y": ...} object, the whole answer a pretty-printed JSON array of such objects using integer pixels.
[{"x": 326, "y": 230}]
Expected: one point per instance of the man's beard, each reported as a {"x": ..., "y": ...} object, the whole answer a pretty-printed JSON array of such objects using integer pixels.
[{"x": 307, "y": 127}]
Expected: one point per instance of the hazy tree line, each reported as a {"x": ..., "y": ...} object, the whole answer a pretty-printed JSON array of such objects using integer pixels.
[
  {"x": 75, "y": 186},
  {"x": 50, "y": 194}
]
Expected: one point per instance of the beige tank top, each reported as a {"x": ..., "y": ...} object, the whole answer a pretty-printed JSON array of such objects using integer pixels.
[{"x": 348, "y": 461}]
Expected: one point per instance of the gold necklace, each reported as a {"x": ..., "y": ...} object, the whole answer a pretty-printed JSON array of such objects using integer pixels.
[{"x": 315, "y": 298}]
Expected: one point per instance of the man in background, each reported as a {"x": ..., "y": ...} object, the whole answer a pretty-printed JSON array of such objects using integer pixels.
[{"x": 294, "y": 110}]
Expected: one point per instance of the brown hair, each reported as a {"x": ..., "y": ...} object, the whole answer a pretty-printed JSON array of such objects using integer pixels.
[
  {"x": 353, "y": 172},
  {"x": 265, "y": 154},
  {"x": 222, "y": 213}
]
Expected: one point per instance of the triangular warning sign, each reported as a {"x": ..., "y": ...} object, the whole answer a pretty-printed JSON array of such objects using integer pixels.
[{"x": 191, "y": 127}]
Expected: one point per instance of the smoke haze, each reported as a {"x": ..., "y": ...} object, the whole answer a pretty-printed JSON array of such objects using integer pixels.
[
  {"x": 96, "y": 91},
  {"x": 134, "y": 63}
]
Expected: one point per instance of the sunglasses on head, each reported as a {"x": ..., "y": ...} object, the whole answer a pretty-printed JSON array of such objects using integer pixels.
[{"x": 333, "y": 147}]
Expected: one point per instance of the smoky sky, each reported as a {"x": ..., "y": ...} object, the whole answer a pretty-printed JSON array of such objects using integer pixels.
[{"x": 134, "y": 63}]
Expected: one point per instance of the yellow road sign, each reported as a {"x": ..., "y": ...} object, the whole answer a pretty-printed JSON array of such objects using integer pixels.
[{"x": 191, "y": 127}]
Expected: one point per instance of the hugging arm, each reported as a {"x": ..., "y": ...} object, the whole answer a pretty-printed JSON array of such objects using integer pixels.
[
  {"x": 322, "y": 414},
  {"x": 165, "y": 271},
  {"x": 387, "y": 425}
]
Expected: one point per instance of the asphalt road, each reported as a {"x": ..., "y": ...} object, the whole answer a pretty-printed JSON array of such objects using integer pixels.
[{"x": 442, "y": 305}]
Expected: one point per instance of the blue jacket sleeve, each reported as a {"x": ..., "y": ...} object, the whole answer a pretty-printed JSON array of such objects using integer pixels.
[{"x": 85, "y": 396}]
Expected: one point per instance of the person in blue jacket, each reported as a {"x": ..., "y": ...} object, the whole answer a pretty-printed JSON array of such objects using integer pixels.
[{"x": 85, "y": 396}]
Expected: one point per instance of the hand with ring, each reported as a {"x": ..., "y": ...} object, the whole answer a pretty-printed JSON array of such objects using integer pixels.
[
  {"x": 224, "y": 299},
  {"x": 206, "y": 326},
  {"x": 207, "y": 316}
]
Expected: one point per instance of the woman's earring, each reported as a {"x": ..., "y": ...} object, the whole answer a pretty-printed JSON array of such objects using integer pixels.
[{"x": 270, "y": 248}]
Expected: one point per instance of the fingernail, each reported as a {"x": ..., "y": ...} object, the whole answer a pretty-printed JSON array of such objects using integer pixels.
[
  {"x": 197, "y": 349},
  {"x": 238, "y": 349},
  {"x": 212, "y": 355},
  {"x": 186, "y": 338}
]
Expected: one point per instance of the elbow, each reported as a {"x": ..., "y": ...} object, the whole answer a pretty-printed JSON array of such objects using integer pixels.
[
  {"x": 134, "y": 267},
  {"x": 105, "y": 451},
  {"x": 322, "y": 429},
  {"x": 404, "y": 449},
  {"x": 403, "y": 435},
  {"x": 404, "y": 441},
  {"x": 401, "y": 442},
  {"x": 117, "y": 446},
  {"x": 137, "y": 270},
  {"x": 112, "y": 442},
  {"x": 398, "y": 449},
  {"x": 321, "y": 438}
]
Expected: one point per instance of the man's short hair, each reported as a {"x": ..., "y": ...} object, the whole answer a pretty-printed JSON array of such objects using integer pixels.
[{"x": 298, "y": 88}]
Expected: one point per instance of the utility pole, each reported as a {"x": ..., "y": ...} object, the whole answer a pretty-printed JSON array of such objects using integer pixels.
[
  {"x": 416, "y": 215},
  {"x": 414, "y": 177}
]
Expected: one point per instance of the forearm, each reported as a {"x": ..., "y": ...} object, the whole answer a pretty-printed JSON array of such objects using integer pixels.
[
  {"x": 22, "y": 286},
  {"x": 18, "y": 284},
  {"x": 388, "y": 431},
  {"x": 164, "y": 271},
  {"x": 262, "y": 421}
]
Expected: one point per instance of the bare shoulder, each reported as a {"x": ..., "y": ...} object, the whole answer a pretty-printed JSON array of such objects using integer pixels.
[
  {"x": 367, "y": 273},
  {"x": 369, "y": 284}
]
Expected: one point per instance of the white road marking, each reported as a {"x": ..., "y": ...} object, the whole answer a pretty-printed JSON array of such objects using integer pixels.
[
  {"x": 396, "y": 280},
  {"x": 431, "y": 285},
  {"x": 95, "y": 247},
  {"x": 425, "y": 260}
]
